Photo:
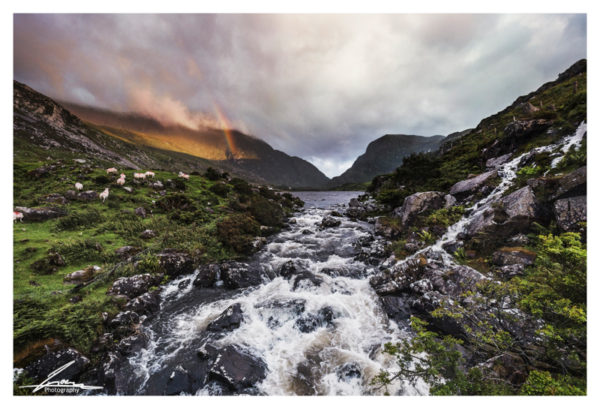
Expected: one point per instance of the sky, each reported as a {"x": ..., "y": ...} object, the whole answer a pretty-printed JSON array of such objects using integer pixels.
[{"x": 320, "y": 87}]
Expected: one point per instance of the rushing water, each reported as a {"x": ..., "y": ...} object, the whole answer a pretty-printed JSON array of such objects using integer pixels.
[
  {"x": 300, "y": 362},
  {"x": 269, "y": 329}
]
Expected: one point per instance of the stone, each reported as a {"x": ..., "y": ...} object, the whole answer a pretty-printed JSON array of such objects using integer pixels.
[
  {"x": 175, "y": 263},
  {"x": 240, "y": 275},
  {"x": 310, "y": 322},
  {"x": 229, "y": 320},
  {"x": 140, "y": 211},
  {"x": 40, "y": 214},
  {"x": 127, "y": 251},
  {"x": 511, "y": 270},
  {"x": 570, "y": 212},
  {"x": 81, "y": 276},
  {"x": 233, "y": 366},
  {"x": 287, "y": 269},
  {"x": 135, "y": 285},
  {"x": 207, "y": 276},
  {"x": 87, "y": 196},
  {"x": 145, "y": 304},
  {"x": 147, "y": 234},
  {"x": 40, "y": 369},
  {"x": 348, "y": 371},
  {"x": 55, "y": 198},
  {"x": 418, "y": 203},
  {"x": 180, "y": 382},
  {"x": 328, "y": 222},
  {"x": 572, "y": 184},
  {"x": 470, "y": 186},
  {"x": 513, "y": 255},
  {"x": 306, "y": 278},
  {"x": 494, "y": 163}
]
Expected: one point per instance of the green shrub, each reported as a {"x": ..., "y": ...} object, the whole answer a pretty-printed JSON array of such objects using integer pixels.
[
  {"x": 220, "y": 189},
  {"x": 238, "y": 232},
  {"x": 76, "y": 219},
  {"x": 266, "y": 212}
]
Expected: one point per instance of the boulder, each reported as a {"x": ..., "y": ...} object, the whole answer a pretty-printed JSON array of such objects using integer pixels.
[
  {"x": 240, "y": 275},
  {"x": 234, "y": 367},
  {"x": 125, "y": 319},
  {"x": 229, "y": 320},
  {"x": 53, "y": 360},
  {"x": 40, "y": 214},
  {"x": 513, "y": 255},
  {"x": 517, "y": 131},
  {"x": 81, "y": 276},
  {"x": 310, "y": 322},
  {"x": 207, "y": 276},
  {"x": 470, "y": 186},
  {"x": 140, "y": 211},
  {"x": 87, "y": 196},
  {"x": 147, "y": 234},
  {"x": 306, "y": 278},
  {"x": 288, "y": 269},
  {"x": 572, "y": 184},
  {"x": 494, "y": 163},
  {"x": 418, "y": 203},
  {"x": 348, "y": 371},
  {"x": 180, "y": 382},
  {"x": 127, "y": 251},
  {"x": 329, "y": 221},
  {"x": 570, "y": 212},
  {"x": 55, "y": 198},
  {"x": 145, "y": 304},
  {"x": 175, "y": 263},
  {"x": 133, "y": 286}
]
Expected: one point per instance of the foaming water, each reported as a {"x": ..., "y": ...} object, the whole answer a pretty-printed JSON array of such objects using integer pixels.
[{"x": 298, "y": 362}]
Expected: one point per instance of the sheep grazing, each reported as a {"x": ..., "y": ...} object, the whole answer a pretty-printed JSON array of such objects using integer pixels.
[
  {"x": 17, "y": 216},
  {"x": 121, "y": 180},
  {"x": 104, "y": 194},
  {"x": 78, "y": 186},
  {"x": 139, "y": 176},
  {"x": 111, "y": 170},
  {"x": 184, "y": 175},
  {"x": 149, "y": 173}
]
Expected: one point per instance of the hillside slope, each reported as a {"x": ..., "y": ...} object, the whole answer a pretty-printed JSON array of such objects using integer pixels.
[{"x": 383, "y": 155}]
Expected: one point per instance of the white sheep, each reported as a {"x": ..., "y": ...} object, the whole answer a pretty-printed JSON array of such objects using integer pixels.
[
  {"x": 149, "y": 173},
  {"x": 104, "y": 194},
  {"x": 184, "y": 175},
  {"x": 111, "y": 170},
  {"x": 121, "y": 181},
  {"x": 17, "y": 216},
  {"x": 139, "y": 176},
  {"x": 78, "y": 186}
]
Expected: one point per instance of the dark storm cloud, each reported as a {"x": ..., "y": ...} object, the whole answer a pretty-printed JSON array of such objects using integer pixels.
[{"x": 317, "y": 86}]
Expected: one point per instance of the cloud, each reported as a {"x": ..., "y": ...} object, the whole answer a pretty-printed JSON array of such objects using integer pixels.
[{"x": 316, "y": 86}]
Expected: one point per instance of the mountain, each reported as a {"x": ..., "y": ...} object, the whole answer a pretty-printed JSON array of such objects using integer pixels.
[
  {"x": 42, "y": 125},
  {"x": 383, "y": 155}
]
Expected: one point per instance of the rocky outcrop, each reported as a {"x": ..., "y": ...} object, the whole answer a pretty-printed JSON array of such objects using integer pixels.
[
  {"x": 240, "y": 275},
  {"x": 55, "y": 198},
  {"x": 470, "y": 186},
  {"x": 81, "y": 276},
  {"x": 175, "y": 263},
  {"x": 513, "y": 255},
  {"x": 229, "y": 320},
  {"x": 145, "y": 304},
  {"x": 570, "y": 212},
  {"x": 329, "y": 221},
  {"x": 87, "y": 196},
  {"x": 134, "y": 286},
  {"x": 40, "y": 369},
  {"x": 494, "y": 163},
  {"x": 418, "y": 203},
  {"x": 207, "y": 275},
  {"x": 40, "y": 214}
]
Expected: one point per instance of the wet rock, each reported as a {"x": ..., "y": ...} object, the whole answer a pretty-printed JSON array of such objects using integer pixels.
[
  {"x": 140, "y": 211},
  {"x": 307, "y": 231},
  {"x": 418, "y": 203},
  {"x": 175, "y": 263},
  {"x": 240, "y": 275},
  {"x": 348, "y": 371},
  {"x": 207, "y": 275},
  {"x": 235, "y": 367},
  {"x": 81, "y": 276},
  {"x": 570, "y": 212},
  {"x": 180, "y": 382},
  {"x": 453, "y": 246},
  {"x": 147, "y": 234},
  {"x": 125, "y": 319},
  {"x": 133, "y": 286},
  {"x": 494, "y": 163},
  {"x": 396, "y": 308},
  {"x": 229, "y": 320},
  {"x": 305, "y": 278},
  {"x": 55, "y": 198},
  {"x": 310, "y": 322},
  {"x": 87, "y": 196},
  {"x": 470, "y": 186},
  {"x": 335, "y": 213},
  {"x": 127, "y": 251},
  {"x": 287, "y": 269},
  {"x": 132, "y": 343},
  {"x": 40, "y": 214},
  {"x": 145, "y": 304},
  {"x": 513, "y": 255},
  {"x": 53, "y": 360},
  {"x": 328, "y": 222}
]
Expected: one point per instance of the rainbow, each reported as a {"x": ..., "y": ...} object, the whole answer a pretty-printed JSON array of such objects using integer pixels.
[{"x": 224, "y": 122}]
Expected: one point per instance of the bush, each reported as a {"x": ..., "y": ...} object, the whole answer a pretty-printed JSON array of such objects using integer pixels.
[
  {"x": 175, "y": 201},
  {"x": 213, "y": 174},
  {"x": 266, "y": 212},
  {"x": 79, "y": 219},
  {"x": 219, "y": 189},
  {"x": 238, "y": 232},
  {"x": 241, "y": 186},
  {"x": 101, "y": 180}
]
